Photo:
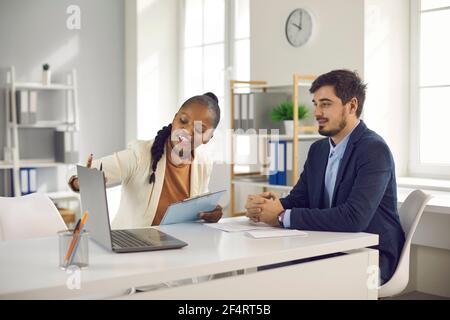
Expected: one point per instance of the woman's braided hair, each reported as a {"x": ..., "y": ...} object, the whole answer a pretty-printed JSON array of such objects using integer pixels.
[{"x": 208, "y": 99}]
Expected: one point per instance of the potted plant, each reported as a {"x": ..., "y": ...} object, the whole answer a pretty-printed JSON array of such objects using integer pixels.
[{"x": 285, "y": 112}]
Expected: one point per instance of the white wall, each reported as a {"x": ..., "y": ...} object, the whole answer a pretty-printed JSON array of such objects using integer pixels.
[
  {"x": 152, "y": 63},
  {"x": 337, "y": 40},
  {"x": 386, "y": 70}
]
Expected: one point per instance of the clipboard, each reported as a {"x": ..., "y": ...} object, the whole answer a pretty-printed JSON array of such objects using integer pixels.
[{"x": 188, "y": 209}]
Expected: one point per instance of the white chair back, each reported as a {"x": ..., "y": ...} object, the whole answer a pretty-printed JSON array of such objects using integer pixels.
[
  {"x": 410, "y": 213},
  {"x": 29, "y": 216}
]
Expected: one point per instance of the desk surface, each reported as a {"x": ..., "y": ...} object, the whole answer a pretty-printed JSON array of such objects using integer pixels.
[{"x": 28, "y": 266}]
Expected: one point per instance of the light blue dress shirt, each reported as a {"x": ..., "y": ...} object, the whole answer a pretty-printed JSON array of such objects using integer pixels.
[{"x": 334, "y": 159}]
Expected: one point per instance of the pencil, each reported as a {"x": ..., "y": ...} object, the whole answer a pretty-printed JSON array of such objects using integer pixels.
[{"x": 76, "y": 232}]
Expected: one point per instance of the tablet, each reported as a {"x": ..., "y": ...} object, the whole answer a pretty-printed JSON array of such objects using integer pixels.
[{"x": 188, "y": 209}]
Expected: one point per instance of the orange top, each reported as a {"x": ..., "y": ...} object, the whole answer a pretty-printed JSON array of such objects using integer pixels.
[{"x": 176, "y": 186}]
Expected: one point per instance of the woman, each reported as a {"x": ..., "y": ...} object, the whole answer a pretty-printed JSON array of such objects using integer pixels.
[{"x": 167, "y": 169}]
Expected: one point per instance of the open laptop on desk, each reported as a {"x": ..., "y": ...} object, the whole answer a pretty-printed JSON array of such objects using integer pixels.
[{"x": 93, "y": 199}]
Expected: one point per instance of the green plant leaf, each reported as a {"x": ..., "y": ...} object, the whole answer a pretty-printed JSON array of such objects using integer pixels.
[{"x": 285, "y": 111}]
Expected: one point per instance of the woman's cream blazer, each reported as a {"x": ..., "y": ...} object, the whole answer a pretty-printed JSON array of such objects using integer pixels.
[{"x": 139, "y": 199}]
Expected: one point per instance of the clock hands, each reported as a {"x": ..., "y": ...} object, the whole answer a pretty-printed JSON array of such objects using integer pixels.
[
  {"x": 299, "y": 27},
  {"x": 301, "y": 18}
]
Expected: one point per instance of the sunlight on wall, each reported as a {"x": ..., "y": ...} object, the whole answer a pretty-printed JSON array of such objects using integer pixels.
[{"x": 148, "y": 97}]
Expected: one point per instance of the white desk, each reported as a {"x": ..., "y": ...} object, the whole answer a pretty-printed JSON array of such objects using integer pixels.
[{"x": 29, "y": 268}]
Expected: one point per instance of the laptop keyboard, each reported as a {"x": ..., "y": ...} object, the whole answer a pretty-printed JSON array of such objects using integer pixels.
[{"x": 125, "y": 239}]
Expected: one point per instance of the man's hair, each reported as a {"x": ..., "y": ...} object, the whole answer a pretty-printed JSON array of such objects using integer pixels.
[{"x": 347, "y": 84}]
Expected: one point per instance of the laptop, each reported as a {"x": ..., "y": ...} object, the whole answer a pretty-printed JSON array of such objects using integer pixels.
[{"x": 93, "y": 199}]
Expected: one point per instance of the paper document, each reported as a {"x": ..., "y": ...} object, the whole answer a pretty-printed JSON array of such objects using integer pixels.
[
  {"x": 238, "y": 225},
  {"x": 275, "y": 232}
]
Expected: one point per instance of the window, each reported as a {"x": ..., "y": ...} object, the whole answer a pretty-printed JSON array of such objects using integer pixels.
[
  {"x": 215, "y": 48},
  {"x": 430, "y": 94},
  {"x": 204, "y": 48}
]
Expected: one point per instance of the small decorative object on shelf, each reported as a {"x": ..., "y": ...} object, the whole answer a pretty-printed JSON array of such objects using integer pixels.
[
  {"x": 46, "y": 74},
  {"x": 285, "y": 112}
]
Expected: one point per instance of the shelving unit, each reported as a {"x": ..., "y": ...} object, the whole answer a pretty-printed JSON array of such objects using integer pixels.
[
  {"x": 70, "y": 123},
  {"x": 242, "y": 178}
]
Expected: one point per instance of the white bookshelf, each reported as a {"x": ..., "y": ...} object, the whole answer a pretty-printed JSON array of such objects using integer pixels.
[
  {"x": 32, "y": 163},
  {"x": 12, "y": 160},
  {"x": 63, "y": 196},
  {"x": 40, "y": 86},
  {"x": 300, "y": 137},
  {"x": 262, "y": 184}
]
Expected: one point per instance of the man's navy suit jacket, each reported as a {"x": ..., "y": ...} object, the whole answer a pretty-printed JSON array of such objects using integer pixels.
[{"x": 364, "y": 199}]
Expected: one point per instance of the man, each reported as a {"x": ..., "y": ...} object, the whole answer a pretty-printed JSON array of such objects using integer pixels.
[{"x": 348, "y": 181}]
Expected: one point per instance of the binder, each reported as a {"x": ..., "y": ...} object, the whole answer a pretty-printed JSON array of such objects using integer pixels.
[
  {"x": 244, "y": 111},
  {"x": 289, "y": 168},
  {"x": 251, "y": 112},
  {"x": 237, "y": 111},
  {"x": 32, "y": 180},
  {"x": 273, "y": 147},
  {"x": 32, "y": 107},
  {"x": 281, "y": 163},
  {"x": 28, "y": 180},
  {"x": 22, "y": 106},
  {"x": 263, "y": 155},
  {"x": 24, "y": 183},
  {"x": 66, "y": 146}
]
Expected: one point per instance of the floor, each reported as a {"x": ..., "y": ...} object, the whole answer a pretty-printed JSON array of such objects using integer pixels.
[{"x": 416, "y": 295}]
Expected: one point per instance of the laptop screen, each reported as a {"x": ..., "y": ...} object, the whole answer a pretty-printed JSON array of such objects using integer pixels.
[{"x": 93, "y": 199}]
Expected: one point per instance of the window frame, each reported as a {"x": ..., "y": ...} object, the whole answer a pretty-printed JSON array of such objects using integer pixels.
[{"x": 415, "y": 167}]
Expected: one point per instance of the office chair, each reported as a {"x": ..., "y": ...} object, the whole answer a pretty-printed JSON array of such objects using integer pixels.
[
  {"x": 29, "y": 216},
  {"x": 410, "y": 213}
]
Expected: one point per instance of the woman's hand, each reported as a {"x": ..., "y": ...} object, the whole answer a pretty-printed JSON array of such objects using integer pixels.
[
  {"x": 73, "y": 181},
  {"x": 212, "y": 216}
]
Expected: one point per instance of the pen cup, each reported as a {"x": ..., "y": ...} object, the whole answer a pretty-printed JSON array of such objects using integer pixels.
[{"x": 76, "y": 249}]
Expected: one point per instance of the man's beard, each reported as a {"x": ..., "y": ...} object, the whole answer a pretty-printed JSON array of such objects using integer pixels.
[{"x": 333, "y": 132}]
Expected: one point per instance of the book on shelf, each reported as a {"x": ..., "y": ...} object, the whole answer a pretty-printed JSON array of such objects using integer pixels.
[
  {"x": 281, "y": 155},
  {"x": 236, "y": 111},
  {"x": 281, "y": 163},
  {"x": 28, "y": 180},
  {"x": 26, "y": 107},
  {"x": 273, "y": 153},
  {"x": 244, "y": 111},
  {"x": 66, "y": 146},
  {"x": 22, "y": 106},
  {"x": 32, "y": 107}
]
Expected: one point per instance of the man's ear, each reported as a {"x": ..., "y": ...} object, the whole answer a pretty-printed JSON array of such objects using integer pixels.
[{"x": 353, "y": 105}]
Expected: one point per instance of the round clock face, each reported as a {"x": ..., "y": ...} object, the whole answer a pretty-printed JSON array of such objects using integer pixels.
[{"x": 298, "y": 27}]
